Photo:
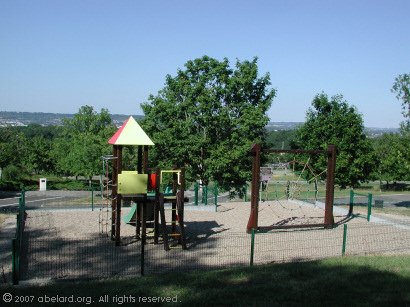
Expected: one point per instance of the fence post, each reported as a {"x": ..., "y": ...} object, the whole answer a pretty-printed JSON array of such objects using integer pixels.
[
  {"x": 92, "y": 197},
  {"x": 205, "y": 195},
  {"x": 143, "y": 239},
  {"x": 351, "y": 203},
  {"x": 23, "y": 195},
  {"x": 344, "y": 239},
  {"x": 369, "y": 206},
  {"x": 252, "y": 246},
  {"x": 196, "y": 187},
  {"x": 216, "y": 196}
]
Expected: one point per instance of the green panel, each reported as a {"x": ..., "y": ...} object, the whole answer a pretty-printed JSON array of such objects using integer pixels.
[{"x": 132, "y": 183}]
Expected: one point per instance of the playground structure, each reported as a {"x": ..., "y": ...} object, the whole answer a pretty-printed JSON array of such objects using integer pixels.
[
  {"x": 292, "y": 188},
  {"x": 142, "y": 188}
]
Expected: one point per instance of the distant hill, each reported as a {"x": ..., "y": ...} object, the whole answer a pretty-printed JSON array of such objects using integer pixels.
[
  {"x": 282, "y": 125},
  {"x": 55, "y": 119},
  {"x": 46, "y": 119}
]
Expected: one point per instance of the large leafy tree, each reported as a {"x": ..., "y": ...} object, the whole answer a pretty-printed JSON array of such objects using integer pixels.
[
  {"x": 38, "y": 155},
  {"x": 84, "y": 140},
  {"x": 207, "y": 116},
  {"x": 401, "y": 88},
  {"x": 9, "y": 153},
  {"x": 394, "y": 157},
  {"x": 12, "y": 148},
  {"x": 335, "y": 122},
  {"x": 86, "y": 120}
]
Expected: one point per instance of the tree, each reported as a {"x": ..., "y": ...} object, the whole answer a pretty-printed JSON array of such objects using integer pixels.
[
  {"x": 84, "y": 140},
  {"x": 335, "y": 122},
  {"x": 12, "y": 148},
  {"x": 394, "y": 157},
  {"x": 38, "y": 154},
  {"x": 401, "y": 88},
  {"x": 33, "y": 130},
  {"x": 87, "y": 121},
  {"x": 207, "y": 117}
]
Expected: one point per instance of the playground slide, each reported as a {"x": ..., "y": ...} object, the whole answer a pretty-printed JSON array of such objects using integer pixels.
[{"x": 130, "y": 216}]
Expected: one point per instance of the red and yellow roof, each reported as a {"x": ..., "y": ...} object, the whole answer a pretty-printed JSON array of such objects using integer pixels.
[{"x": 130, "y": 133}]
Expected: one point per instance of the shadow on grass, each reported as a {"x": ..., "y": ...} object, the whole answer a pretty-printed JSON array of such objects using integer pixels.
[
  {"x": 398, "y": 186},
  {"x": 351, "y": 281},
  {"x": 405, "y": 204}
]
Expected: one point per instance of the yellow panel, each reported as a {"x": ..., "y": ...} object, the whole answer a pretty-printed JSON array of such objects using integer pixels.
[
  {"x": 130, "y": 183},
  {"x": 178, "y": 171}
]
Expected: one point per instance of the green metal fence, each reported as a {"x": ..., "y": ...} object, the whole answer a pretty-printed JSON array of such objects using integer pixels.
[
  {"x": 206, "y": 195},
  {"x": 93, "y": 258},
  {"x": 369, "y": 203},
  {"x": 17, "y": 242}
]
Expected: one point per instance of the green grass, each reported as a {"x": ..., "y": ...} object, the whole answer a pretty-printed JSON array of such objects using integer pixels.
[
  {"x": 280, "y": 190},
  {"x": 363, "y": 210},
  {"x": 349, "y": 281}
]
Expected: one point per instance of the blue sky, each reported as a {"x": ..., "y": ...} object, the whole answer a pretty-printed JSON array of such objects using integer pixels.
[{"x": 56, "y": 56}]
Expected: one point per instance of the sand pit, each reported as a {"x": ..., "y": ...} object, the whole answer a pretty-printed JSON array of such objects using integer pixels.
[
  {"x": 230, "y": 218},
  {"x": 70, "y": 244}
]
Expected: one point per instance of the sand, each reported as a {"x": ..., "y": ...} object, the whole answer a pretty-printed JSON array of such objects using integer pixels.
[{"x": 73, "y": 244}]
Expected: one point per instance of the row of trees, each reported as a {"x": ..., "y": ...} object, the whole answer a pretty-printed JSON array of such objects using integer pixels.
[
  {"x": 206, "y": 117},
  {"x": 360, "y": 159},
  {"x": 73, "y": 149}
]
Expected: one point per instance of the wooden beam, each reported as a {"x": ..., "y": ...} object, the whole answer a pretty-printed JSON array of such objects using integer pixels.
[
  {"x": 118, "y": 209},
  {"x": 297, "y": 151},
  {"x": 330, "y": 186},
  {"x": 253, "y": 218}
]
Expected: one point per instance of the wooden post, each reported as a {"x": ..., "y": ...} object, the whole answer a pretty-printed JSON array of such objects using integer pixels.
[
  {"x": 145, "y": 161},
  {"x": 181, "y": 208},
  {"x": 139, "y": 214},
  {"x": 156, "y": 204},
  {"x": 114, "y": 191},
  {"x": 163, "y": 224},
  {"x": 253, "y": 218},
  {"x": 330, "y": 182},
  {"x": 174, "y": 202},
  {"x": 138, "y": 219},
  {"x": 118, "y": 211},
  {"x": 139, "y": 159}
]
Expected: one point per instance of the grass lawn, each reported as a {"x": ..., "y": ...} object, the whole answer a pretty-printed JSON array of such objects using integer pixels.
[
  {"x": 363, "y": 210},
  {"x": 348, "y": 281},
  {"x": 303, "y": 191}
]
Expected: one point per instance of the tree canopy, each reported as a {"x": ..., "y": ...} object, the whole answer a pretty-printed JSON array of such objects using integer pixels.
[
  {"x": 83, "y": 143},
  {"x": 335, "y": 122},
  {"x": 393, "y": 156},
  {"x": 207, "y": 116},
  {"x": 86, "y": 120},
  {"x": 401, "y": 88}
]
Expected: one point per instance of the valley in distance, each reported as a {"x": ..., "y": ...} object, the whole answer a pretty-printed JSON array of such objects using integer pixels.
[{"x": 55, "y": 119}]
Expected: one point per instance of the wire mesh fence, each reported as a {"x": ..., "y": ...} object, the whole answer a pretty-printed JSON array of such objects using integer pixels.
[
  {"x": 17, "y": 242},
  {"x": 78, "y": 258},
  {"x": 374, "y": 238},
  {"x": 98, "y": 257},
  {"x": 204, "y": 252},
  {"x": 298, "y": 245},
  {"x": 64, "y": 199}
]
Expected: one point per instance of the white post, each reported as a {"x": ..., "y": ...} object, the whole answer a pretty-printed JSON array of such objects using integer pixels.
[{"x": 43, "y": 184}]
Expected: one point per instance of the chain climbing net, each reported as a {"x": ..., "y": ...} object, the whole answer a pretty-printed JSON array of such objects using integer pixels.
[{"x": 291, "y": 184}]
